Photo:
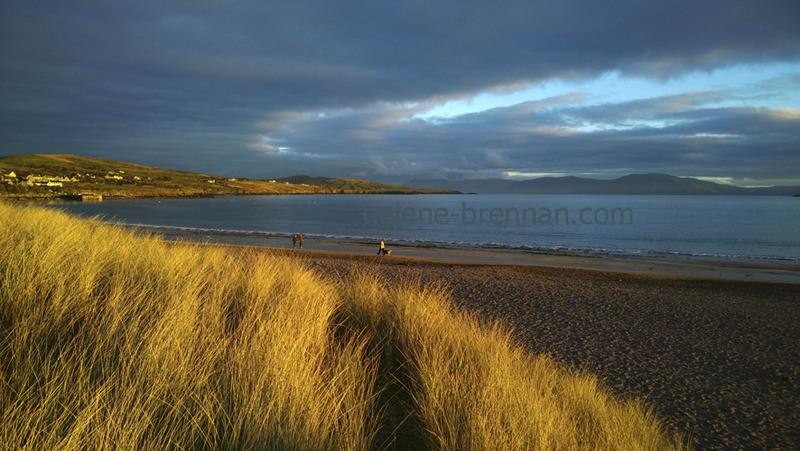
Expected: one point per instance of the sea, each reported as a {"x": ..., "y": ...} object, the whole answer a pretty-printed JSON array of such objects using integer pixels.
[{"x": 728, "y": 228}]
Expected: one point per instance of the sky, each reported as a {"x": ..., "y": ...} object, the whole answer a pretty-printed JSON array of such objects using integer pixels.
[{"x": 406, "y": 89}]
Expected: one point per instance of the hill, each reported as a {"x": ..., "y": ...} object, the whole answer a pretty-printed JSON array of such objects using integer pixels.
[
  {"x": 483, "y": 186},
  {"x": 652, "y": 184},
  {"x": 50, "y": 175},
  {"x": 360, "y": 186}
]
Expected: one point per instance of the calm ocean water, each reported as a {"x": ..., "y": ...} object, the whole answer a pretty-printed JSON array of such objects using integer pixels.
[{"x": 717, "y": 227}]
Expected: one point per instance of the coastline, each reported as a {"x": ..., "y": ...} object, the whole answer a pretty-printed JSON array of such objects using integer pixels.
[{"x": 656, "y": 266}]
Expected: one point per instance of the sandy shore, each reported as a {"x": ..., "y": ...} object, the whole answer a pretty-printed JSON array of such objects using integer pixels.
[
  {"x": 741, "y": 269},
  {"x": 712, "y": 348}
]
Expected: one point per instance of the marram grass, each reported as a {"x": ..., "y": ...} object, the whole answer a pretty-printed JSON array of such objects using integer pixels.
[{"x": 112, "y": 339}]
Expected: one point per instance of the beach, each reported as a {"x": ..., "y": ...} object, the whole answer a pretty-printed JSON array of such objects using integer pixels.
[
  {"x": 715, "y": 353},
  {"x": 684, "y": 267}
]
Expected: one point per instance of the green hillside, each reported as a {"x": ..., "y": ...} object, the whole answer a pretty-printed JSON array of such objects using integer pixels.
[
  {"x": 48, "y": 176},
  {"x": 359, "y": 186}
]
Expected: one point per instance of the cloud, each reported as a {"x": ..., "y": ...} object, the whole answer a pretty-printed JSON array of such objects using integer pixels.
[
  {"x": 687, "y": 137},
  {"x": 274, "y": 88}
]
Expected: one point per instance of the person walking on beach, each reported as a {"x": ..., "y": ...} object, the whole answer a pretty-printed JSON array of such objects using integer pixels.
[
  {"x": 300, "y": 240},
  {"x": 294, "y": 241},
  {"x": 382, "y": 249}
]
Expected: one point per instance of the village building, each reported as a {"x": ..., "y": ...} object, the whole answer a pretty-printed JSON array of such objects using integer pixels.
[
  {"x": 50, "y": 181},
  {"x": 10, "y": 178}
]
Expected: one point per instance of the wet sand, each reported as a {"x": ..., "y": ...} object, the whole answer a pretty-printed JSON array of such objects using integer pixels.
[{"x": 714, "y": 349}]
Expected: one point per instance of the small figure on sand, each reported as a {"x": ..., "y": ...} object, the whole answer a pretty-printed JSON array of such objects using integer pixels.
[
  {"x": 294, "y": 241},
  {"x": 383, "y": 250},
  {"x": 300, "y": 240}
]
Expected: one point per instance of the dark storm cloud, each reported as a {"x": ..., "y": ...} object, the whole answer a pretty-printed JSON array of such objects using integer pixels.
[{"x": 239, "y": 86}]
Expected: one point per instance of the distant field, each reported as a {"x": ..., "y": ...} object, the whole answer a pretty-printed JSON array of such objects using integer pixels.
[{"x": 111, "y": 339}]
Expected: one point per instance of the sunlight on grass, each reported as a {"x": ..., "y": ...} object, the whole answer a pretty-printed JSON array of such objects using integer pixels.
[{"x": 110, "y": 338}]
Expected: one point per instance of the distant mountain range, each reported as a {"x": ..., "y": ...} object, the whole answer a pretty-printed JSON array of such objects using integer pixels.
[
  {"x": 110, "y": 178},
  {"x": 629, "y": 184}
]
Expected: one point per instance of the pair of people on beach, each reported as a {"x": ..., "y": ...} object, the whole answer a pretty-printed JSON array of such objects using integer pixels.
[
  {"x": 383, "y": 250},
  {"x": 297, "y": 239}
]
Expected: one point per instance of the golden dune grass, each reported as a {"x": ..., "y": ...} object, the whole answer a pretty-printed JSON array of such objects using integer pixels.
[{"x": 109, "y": 339}]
